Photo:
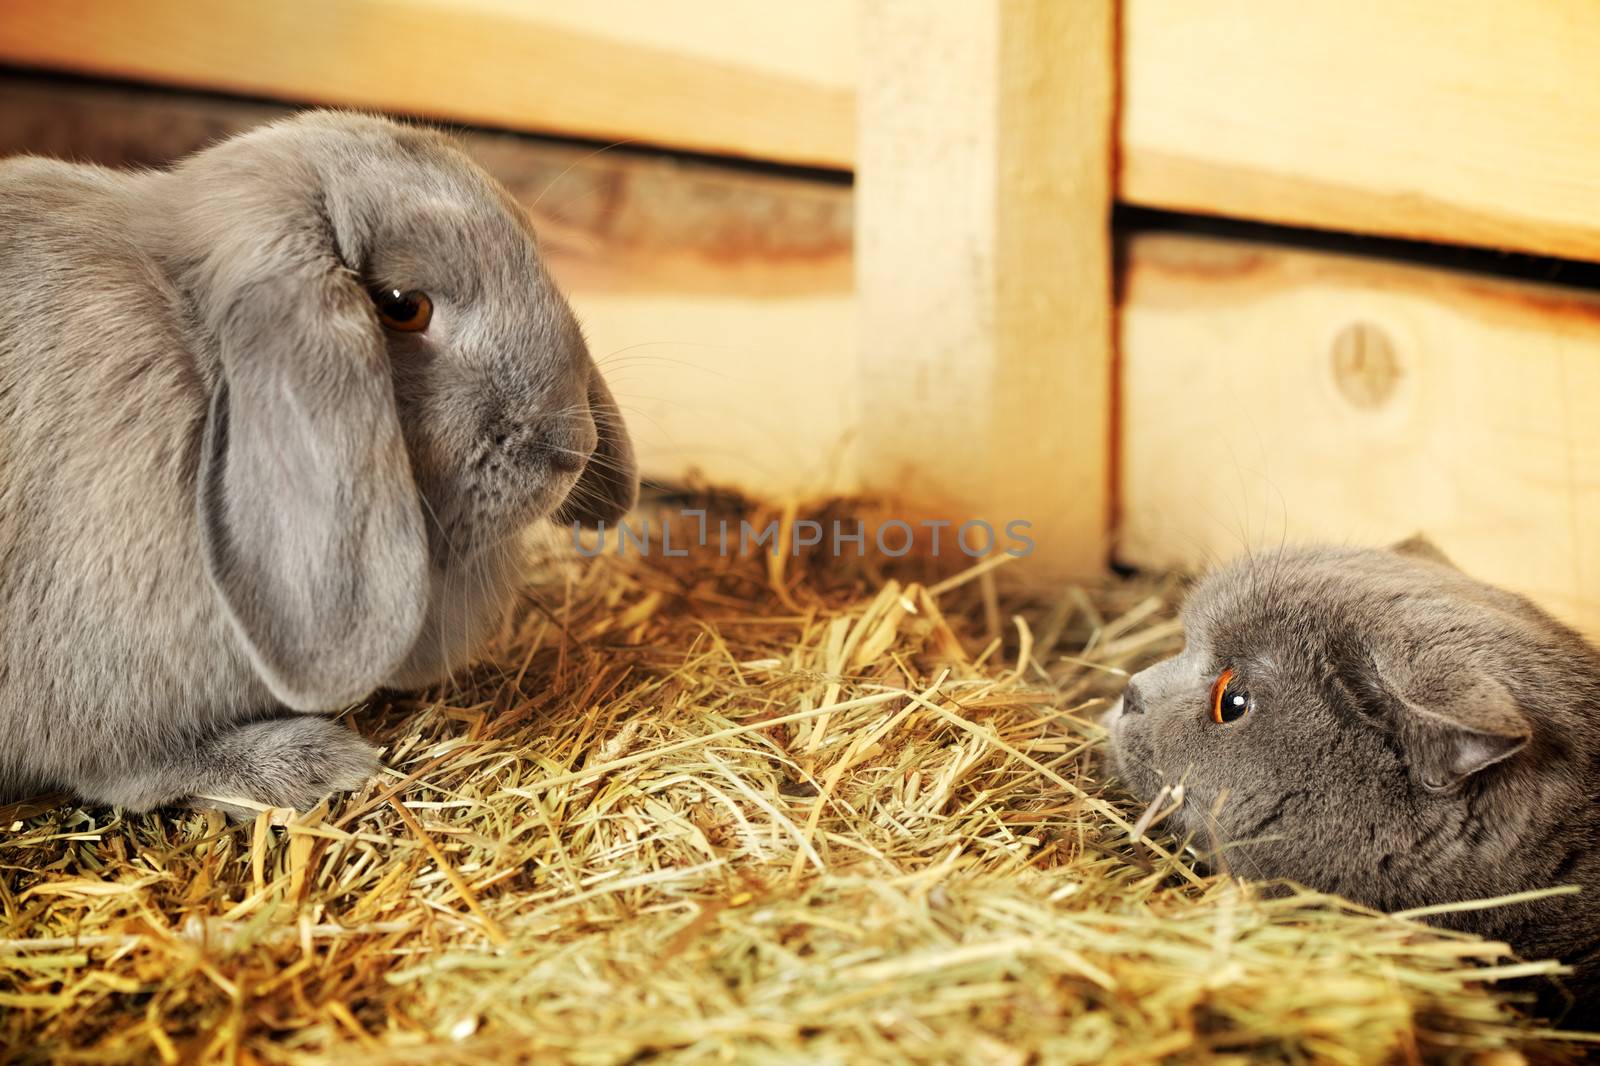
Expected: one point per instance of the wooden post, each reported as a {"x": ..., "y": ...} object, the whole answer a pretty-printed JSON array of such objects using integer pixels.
[{"x": 984, "y": 263}]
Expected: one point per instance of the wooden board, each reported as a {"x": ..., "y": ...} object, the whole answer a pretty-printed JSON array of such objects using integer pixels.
[
  {"x": 1469, "y": 123},
  {"x": 983, "y": 264},
  {"x": 770, "y": 81},
  {"x": 718, "y": 302},
  {"x": 1272, "y": 394},
  {"x": 1472, "y": 123}
]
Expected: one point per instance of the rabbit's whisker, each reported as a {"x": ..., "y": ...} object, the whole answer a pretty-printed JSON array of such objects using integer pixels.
[{"x": 577, "y": 163}]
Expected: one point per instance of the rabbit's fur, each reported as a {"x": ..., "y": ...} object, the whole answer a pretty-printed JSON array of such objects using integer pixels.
[
  {"x": 231, "y": 501},
  {"x": 1414, "y": 737}
]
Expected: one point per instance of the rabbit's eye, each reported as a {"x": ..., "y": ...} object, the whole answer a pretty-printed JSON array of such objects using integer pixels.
[
  {"x": 1229, "y": 701},
  {"x": 407, "y": 311}
]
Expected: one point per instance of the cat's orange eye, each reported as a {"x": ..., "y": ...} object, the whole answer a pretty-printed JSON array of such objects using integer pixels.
[
  {"x": 1229, "y": 701},
  {"x": 408, "y": 312}
]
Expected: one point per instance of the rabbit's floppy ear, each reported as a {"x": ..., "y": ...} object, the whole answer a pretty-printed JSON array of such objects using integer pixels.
[
  {"x": 310, "y": 520},
  {"x": 609, "y": 484}
]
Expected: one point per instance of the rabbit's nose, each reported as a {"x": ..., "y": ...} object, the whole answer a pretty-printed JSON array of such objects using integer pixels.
[
  {"x": 568, "y": 443},
  {"x": 564, "y": 446},
  {"x": 1132, "y": 700},
  {"x": 558, "y": 455}
]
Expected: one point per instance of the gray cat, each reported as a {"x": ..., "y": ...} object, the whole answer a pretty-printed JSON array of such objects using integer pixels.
[
  {"x": 1377, "y": 724},
  {"x": 271, "y": 423}
]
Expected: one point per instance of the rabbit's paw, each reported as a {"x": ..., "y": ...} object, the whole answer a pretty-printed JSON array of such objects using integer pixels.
[{"x": 292, "y": 761}]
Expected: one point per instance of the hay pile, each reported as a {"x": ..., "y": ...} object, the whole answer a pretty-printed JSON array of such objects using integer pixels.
[{"x": 720, "y": 809}]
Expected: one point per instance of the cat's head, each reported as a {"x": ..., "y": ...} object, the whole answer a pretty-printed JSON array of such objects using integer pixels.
[{"x": 1370, "y": 722}]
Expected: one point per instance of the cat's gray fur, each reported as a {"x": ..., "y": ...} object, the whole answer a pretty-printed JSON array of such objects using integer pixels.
[
  {"x": 230, "y": 501},
  {"x": 1416, "y": 737}
]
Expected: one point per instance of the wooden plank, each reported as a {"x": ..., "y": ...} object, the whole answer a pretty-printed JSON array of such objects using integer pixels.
[
  {"x": 1472, "y": 123},
  {"x": 768, "y": 81},
  {"x": 1274, "y": 395},
  {"x": 983, "y": 263},
  {"x": 719, "y": 302}
]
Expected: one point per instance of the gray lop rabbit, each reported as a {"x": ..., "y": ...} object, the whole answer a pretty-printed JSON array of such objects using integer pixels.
[
  {"x": 271, "y": 423},
  {"x": 1378, "y": 724}
]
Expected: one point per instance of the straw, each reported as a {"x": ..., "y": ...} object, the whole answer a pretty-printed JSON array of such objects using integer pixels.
[{"x": 707, "y": 809}]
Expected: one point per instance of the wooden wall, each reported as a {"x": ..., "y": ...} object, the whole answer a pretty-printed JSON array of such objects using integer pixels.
[{"x": 1465, "y": 122}]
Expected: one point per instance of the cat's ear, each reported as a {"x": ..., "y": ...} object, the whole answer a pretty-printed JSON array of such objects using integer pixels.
[
  {"x": 1457, "y": 719},
  {"x": 1418, "y": 546}
]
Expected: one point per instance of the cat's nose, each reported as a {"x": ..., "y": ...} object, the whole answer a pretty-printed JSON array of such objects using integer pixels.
[{"x": 1132, "y": 701}]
